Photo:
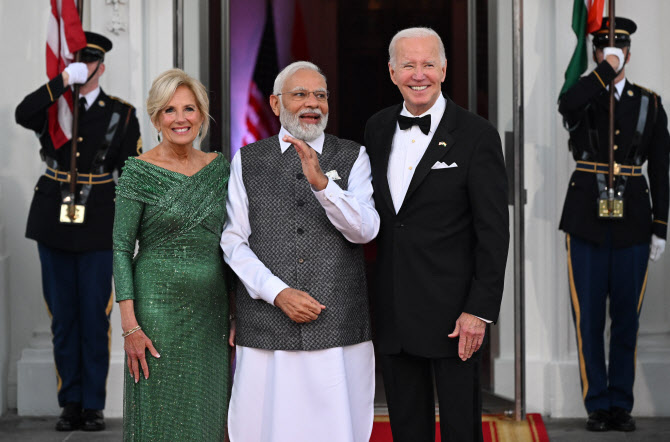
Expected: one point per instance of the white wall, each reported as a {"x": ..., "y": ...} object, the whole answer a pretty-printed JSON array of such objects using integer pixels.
[
  {"x": 24, "y": 25},
  {"x": 5, "y": 331}
]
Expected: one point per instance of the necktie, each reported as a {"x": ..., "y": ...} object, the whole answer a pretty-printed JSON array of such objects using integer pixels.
[
  {"x": 82, "y": 105},
  {"x": 407, "y": 122}
]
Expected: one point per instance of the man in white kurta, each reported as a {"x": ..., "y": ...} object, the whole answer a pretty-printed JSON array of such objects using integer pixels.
[{"x": 311, "y": 377}]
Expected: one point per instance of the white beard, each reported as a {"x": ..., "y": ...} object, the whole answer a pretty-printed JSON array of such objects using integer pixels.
[{"x": 305, "y": 132}]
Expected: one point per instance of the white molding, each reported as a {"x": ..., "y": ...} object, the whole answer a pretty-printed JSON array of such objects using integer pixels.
[
  {"x": 5, "y": 329},
  {"x": 37, "y": 393},
  {"x": 553, "y": 387},
  {"x": 117, "y": 24}
]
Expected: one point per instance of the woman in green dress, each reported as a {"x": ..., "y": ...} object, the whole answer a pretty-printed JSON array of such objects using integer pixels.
[{"x": 172, "y": 294}]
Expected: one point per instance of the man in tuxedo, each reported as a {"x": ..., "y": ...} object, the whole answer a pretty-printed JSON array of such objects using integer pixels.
[{"x": 440, "y": 188}]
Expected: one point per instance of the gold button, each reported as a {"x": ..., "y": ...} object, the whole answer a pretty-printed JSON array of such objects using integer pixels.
[
  {"x": 78, "y": 153},
  {"x": 616, "y": 132},
  {"x": 36, "y": 188},
  {"x": 410, "y": 167},
  {"x": 80, "y": 139},
  {"x": 413, "y": 141},
  {"x": 630, "y": 93},
  {"x": 646, "y": 190},
  {"x": 572, "y": 183},
  {"x": 615, "y": 147}
]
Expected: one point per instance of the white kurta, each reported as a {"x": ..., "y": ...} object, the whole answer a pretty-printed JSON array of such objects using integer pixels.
[
  {"x": 303, "y": 396},
  {"x": 323, "y": 395}
]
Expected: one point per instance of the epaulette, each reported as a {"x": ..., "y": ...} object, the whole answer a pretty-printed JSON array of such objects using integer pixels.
[
  {"x": 646, "y": 89},
  {"x": 121, "y": 101}
]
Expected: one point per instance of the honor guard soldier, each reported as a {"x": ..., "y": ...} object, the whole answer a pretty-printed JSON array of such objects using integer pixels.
[
  {"x": 609, "y": 246},
  {"x": 76, "y": 251}
]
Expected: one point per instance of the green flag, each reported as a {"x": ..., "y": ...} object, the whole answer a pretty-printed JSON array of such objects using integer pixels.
[{"x": 578, "y": 62}]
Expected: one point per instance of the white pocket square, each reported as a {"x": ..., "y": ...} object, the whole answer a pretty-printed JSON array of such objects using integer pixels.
[
  {"x": 332, "y": 174},
  {"x": 441, "y": 165}
]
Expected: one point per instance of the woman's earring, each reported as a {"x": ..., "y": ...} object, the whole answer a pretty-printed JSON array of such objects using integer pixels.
[
  {"x": 200, "y": 133},
  {"x": 159, "y": 136}
]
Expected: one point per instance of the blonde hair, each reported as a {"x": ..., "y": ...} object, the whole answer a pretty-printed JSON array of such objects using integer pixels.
[{"x": 164, "y": 87}]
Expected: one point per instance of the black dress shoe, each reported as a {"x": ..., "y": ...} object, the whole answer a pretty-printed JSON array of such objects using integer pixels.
[
  {"x": 598, "y": 421},
  {"x": 621, "y": 420},
  {"x": 92, "y": 420},
  {"x": 70, "y": 418}
]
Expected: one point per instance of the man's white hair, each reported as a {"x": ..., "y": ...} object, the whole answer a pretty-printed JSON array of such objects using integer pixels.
[
  {"x": 415, "y": 33},
  {"x": 291, "y": 69}
]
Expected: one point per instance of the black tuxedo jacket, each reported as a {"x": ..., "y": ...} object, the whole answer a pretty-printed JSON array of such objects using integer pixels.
[{"x": 445, "y": 250}]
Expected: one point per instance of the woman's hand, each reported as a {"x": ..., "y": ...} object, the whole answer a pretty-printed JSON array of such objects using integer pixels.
[
  {"x": 136, "y": 345},
  {"x": 231, "y": 335}
]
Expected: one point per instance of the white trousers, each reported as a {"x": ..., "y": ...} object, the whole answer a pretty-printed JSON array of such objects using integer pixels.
[{"x": 303, "y": 396}]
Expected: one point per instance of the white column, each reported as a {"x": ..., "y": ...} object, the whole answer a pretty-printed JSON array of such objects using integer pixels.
[{"x": 5, "y": 330}]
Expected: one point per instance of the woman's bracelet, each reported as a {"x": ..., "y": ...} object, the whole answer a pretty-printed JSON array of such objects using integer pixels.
[{"x": 131, "y": 331}]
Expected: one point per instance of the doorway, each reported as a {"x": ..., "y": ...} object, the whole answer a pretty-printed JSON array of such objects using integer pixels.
[{"x": 348, "y": 40}]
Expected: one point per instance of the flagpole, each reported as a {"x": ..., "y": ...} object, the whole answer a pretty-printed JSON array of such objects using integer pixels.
[
  {"x": 75, "y": 132},
  {"x": 610, "y": 178},
  {"x": 519, "y": 215}
]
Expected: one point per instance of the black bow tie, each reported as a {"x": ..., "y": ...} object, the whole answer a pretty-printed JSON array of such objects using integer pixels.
[{"x": 407, "y": 122}]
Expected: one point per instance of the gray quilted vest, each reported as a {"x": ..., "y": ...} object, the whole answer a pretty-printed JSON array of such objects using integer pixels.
[{"x": 292, "y": 236}]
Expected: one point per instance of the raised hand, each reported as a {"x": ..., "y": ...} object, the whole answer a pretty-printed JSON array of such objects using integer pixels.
[{"x": 310, "y": 163}]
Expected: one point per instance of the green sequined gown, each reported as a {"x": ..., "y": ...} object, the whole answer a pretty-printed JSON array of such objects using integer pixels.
[{"x": 180, "y": 299}]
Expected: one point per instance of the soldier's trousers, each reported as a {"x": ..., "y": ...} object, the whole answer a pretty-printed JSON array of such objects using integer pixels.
[
  {"x": 78, "y": 293},
  {"x": 598, "y": 272}
]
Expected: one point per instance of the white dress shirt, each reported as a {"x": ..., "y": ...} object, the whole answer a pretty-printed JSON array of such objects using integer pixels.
[
  {"x": 352, "y": 212},
  {"x": 90, "y": 97},
  {"x": 618, "y": 88},
  {"x": 408, "y": 148}
]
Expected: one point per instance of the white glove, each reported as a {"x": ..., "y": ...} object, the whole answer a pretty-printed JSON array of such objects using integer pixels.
[
  {"x": 78, "y": 73},
  {"x": 616, "y": 52},
  {"x": 656, "y": 248}
]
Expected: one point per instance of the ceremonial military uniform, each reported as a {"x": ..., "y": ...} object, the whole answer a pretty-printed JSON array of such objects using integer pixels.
[
  {"x": 608, "y": 257},
  {"x": 77, "y": 257}
]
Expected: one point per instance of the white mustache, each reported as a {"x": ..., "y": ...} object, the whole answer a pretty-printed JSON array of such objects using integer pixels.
[
  {"x": 292, "y": 123},
  {"x": 310, "y": 111}
]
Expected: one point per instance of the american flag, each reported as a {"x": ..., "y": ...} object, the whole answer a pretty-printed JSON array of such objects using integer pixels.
[
  {"x": 65, "y": 36},
  {"x": 260, "y": 121}
]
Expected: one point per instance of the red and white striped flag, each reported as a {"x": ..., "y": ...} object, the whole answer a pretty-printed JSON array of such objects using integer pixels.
[
  {"x": 261, "y": 122},
  {"x": 65, "y": 36}
]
